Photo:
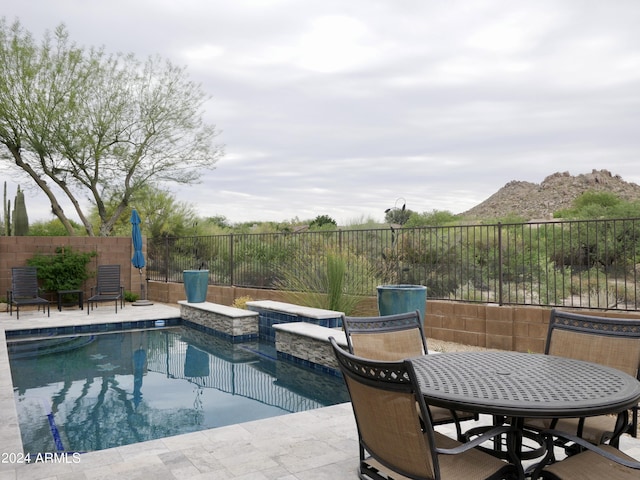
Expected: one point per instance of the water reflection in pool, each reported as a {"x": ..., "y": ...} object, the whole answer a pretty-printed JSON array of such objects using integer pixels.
[{"x": 88, "y": 393}]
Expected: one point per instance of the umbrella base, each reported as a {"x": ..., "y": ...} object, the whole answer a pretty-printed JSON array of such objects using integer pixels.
[{"x": 142, "y": 303}]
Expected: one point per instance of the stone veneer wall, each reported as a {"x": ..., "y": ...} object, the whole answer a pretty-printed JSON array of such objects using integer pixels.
[
  {"x": 508, "y": 327},
  {"x": 233, "y": 323},
  {"x": 309, "y": 345},
  {"x": 305, "y": 343}
]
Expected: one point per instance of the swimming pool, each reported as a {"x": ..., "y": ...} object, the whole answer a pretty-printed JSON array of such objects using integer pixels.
[{"x": 95, "y": 391}]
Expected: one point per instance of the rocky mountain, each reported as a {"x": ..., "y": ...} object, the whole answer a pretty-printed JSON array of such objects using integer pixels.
[{"x": 534, "y": 201}]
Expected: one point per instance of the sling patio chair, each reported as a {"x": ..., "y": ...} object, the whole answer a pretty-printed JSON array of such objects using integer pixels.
[
  {"x": 393, "y": 338},
  {"x": 108, "y": 288},
  {"x": 25, "y": 290},
  {"x": 613, "y": 342},
  {"x": 396, "y": 439},
  {"x": 592, "y": 463}
]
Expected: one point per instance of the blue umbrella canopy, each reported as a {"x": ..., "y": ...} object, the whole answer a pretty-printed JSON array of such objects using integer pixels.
[{"x": 136, "y": 236}]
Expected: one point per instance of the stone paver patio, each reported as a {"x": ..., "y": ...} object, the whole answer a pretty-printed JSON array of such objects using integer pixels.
[{"x": 313, "y": 445}]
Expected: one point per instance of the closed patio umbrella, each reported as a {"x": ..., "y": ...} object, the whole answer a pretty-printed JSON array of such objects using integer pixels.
[
  {"x": 138, "y": 258},
  {"x": 139, "y": 359}
]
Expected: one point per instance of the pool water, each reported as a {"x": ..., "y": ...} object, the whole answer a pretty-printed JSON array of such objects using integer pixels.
[{"x": 91, "y": 392}]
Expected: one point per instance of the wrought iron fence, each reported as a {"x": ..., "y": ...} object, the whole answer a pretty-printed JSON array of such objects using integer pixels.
[{"x": 584, "y": 264}]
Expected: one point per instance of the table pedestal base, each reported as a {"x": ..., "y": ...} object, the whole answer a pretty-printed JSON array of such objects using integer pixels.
[{"x": 531, "y": 446}]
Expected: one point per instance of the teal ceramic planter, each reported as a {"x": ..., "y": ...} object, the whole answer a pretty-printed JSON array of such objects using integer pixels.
[
  {"x": 195, "y": 285},
  {"x": 394, "y": 299}
]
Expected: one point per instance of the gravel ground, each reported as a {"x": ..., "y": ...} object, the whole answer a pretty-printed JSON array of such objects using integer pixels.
[{"x": 434, "y": 345}]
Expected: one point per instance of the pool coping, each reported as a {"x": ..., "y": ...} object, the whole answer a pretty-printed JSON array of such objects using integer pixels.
[
  {"x": 69, "y": 322},
  {"x": 292, "y": 309}
]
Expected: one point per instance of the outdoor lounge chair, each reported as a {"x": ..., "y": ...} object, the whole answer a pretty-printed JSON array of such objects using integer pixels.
[
  {"x": 614, "y": 342},
  {"x": 108, "y": 288},
  {"x": 593, "y": 463},
  {"x": 25, "y": 290},
  {"x": 393, "y": 338},
  {"x": 396, "y": 439}
]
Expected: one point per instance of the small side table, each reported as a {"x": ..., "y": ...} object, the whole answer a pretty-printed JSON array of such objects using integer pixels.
[{"x": 79, "y": 293}]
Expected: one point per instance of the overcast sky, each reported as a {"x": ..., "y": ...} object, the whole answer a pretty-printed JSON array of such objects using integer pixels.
[{"x": 340, "y": 107}]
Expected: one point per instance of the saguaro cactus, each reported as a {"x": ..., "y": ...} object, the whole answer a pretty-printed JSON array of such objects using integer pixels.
[{"x": 20, "y": 218}]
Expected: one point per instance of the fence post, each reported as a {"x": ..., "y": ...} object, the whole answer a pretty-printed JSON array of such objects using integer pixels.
[
  {"x": 166, "y": 259},
  {"x": 499, "y": 263},
  {"x": 231, "y": 276}
]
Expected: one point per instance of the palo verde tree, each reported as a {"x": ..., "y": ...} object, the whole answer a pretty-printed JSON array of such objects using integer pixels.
[{"x": 98, "y": 125}]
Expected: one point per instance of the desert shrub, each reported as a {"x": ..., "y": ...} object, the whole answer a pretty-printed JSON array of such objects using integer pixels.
[
  {"x": 241, "y": 302},
  {"x": 334, "y": 280}
]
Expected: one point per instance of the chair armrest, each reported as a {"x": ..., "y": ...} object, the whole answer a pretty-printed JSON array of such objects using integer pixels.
[
  {"x": 488, "y": 435},
  {"x": 550, "y": 434}
]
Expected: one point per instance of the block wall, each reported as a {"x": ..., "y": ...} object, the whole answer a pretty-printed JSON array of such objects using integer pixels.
[
  {"x": 505, "y": 327},
  {"x": 15, "y": 251}
]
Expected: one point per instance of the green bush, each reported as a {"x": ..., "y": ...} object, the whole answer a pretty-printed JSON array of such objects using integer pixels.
[
  {"x": 130, "y": 296},
  {"x": 66, "y": 270}
]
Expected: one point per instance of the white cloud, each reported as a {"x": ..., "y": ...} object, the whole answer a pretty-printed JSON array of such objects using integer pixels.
[
  {"x": 338, "y": 108},
  {"x": 203, "y": 53},
  {"x": 334, "y": 43}
]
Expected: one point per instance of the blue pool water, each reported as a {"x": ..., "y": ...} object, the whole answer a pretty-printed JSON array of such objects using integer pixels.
[{"x": 97, "y": 391}]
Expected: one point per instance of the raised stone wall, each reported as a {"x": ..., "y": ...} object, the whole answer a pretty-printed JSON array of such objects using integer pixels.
[
  {"x": 234, "y": 323},
  {"x": 308, "y": 344},
  {"x": 273, "y": 313}
]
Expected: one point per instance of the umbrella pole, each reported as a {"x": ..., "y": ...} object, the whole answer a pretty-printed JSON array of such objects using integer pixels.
[{"x": 143, "y": 294}]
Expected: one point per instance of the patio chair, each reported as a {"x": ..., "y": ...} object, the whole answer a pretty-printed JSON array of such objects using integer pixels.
[
  {"x": 108, "y": 288},
  {"x": 25, "y": 290},
  {"x": 614, "y": 342},
  {"x": 393, "y": 338},
  {"x": 592, "y": 463},
  {"x": 396, "y": 439}
]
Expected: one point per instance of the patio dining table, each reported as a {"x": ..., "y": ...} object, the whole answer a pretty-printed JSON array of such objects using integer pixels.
[{"x": 517, "y": 385}]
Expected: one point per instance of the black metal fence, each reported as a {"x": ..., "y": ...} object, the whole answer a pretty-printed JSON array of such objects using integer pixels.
[{"x": 585, "y": 264}]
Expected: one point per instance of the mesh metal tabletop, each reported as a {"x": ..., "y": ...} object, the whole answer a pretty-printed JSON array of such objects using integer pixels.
[{"x": 524, "y": 384}]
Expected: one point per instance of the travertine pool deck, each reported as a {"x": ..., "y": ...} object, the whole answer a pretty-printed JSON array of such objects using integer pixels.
[{"x": 314, "y": 445}]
